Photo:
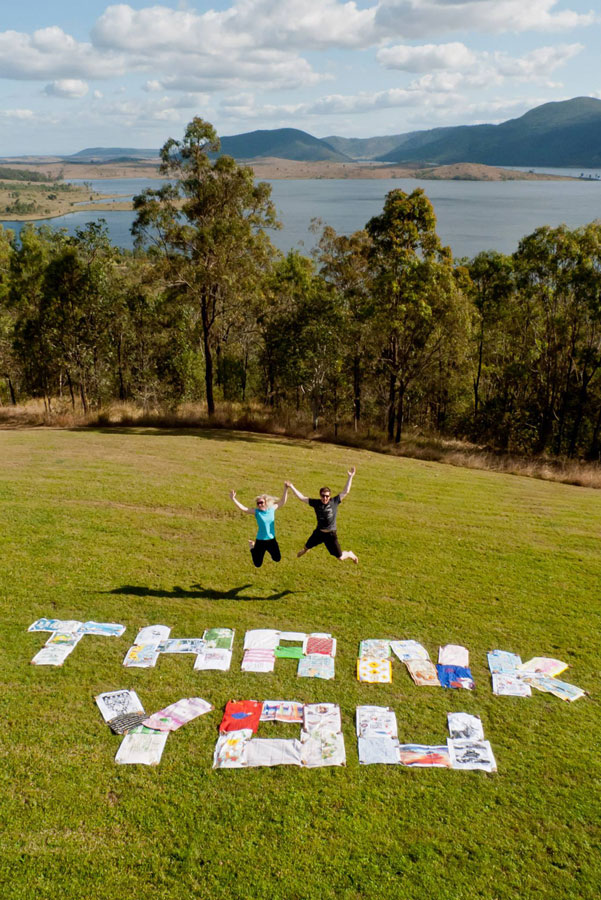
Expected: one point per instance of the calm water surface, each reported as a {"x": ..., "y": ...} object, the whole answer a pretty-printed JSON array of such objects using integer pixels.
[{"x": 472, "y": 215}]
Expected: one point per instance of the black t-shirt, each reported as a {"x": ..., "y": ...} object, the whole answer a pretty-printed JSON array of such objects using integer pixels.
[{"x": 326, "y": 512}]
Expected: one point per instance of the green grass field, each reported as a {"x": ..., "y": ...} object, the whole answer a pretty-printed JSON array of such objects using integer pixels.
[{"x": 137, "y": 527}]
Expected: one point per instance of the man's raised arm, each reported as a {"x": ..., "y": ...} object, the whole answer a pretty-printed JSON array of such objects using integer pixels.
[
  {"x": 297, "y": 493},
  {"x": 349, "y": 482}
]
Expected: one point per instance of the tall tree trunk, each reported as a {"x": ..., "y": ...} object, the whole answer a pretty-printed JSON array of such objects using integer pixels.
[
  {"x": 13, "y": 398},
  {"x": 594, "y": 453},
  {"x": 564, "y": 406},
  {"x": 477, "y": 378},
  {"x": 209, "y": 377},
  {"x": 315, "y": 411},
  {"x": 244, "y": 374},
  {"x": 544, "y": 432},
  {"x": 399, "y": 415},
  {"x": 120, "y": 368},
  {"x": 206, "y": 327},
  {"x": 391, "y": 406},
  {"x": 582, "y": 400},
  {"x": 356, "y": 392},
  {"x": 71, "y": 391},
  {"x": 335, "y": 410},
  {"x": 84, "y": 399},
  {"x": 219, "y": 368}
]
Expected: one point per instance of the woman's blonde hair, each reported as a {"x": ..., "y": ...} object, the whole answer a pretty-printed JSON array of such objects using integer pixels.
[{"x": 270, "y": 501}]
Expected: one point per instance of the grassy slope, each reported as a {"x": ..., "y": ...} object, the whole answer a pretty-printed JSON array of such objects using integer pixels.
[{"x": 137, "y": 528}]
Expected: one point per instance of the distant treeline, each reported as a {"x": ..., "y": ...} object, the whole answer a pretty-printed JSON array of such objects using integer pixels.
[
  {"x": 7, "y": 174},
  {"x": 380, "y": 330}
]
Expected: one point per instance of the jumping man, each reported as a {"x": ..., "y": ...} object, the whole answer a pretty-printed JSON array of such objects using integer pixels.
[
  {"x": 325, "y": 510},
  {"x": 264, "y": 513}
]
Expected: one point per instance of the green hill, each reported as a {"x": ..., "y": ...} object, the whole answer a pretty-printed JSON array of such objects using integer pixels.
[
  {"x": 284, "y": 143},
  {"x": 567, "y": 133}
]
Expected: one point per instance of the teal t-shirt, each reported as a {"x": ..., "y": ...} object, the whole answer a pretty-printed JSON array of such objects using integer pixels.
[{"x": 266, "y": 522}]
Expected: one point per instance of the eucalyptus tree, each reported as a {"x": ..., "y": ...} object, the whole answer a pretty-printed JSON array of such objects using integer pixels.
[
  {"x": 588, "y": 358},
  {"x": 206, "y": 227},
  {"x": 344, "y": 264},
  {"x": 28, "y": 264},
  {"x": 416, "y": 295},
  {"x": 8, "y": 362},
  {"x": 491, "y": 289},
  {"x": 302, "y": 338},
  {"x": 76, "y": 305},
  {"x": 559, "y": 276}
]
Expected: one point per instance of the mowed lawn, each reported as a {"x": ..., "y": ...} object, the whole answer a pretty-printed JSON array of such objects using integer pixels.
[{"x": 137, "y": 527}]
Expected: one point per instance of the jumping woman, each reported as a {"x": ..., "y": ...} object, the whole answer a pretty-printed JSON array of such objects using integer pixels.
[{"x": 264, "y": 513}]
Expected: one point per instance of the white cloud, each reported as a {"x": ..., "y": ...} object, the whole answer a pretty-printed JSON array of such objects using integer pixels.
[
  {"x": 69, "y": 88},
  {"x": 244, "y": 106},
  {"x": 308, "y": 24},
  {"x": 21, "y": 115},
  {"x": 366, "y": 101},
  {"x": 435, "y": 99},
  {"x": 208, "y": 50},
  {"x": 461, "y": 66},
  {"x": 215, "y": 50},
  {"x": 441, "y": 82},
  {"x": 192, "y": 101},
  {"x": 426, "y": 57},
  {"x": 51, "y": 53},
  {"x": 442, "y": 88},
  {"x": 247, "y": 24},
  {"x": 421, "y": 18},
  {"x": 538, "y": 63},
  {"x": 261, "y": 42},
  {"x": 166, "y": 115},
  {"x": 134, "y": 113}
]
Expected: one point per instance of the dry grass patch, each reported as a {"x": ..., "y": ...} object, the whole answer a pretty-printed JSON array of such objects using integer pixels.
[{"x": 254, "y": 418}]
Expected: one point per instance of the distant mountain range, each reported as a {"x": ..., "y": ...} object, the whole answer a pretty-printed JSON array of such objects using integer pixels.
[
  {"x": 111, "y": 154},
  {"x": 567, "y": 133},
  {"x": 284, "y": 143},
  {"x": 554, "y": 134}
]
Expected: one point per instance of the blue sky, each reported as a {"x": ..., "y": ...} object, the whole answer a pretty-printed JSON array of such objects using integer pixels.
[{"x": 81, "y": 74}]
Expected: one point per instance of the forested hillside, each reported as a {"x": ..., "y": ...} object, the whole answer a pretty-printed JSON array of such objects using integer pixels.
[{"x": 554, "y": 134}]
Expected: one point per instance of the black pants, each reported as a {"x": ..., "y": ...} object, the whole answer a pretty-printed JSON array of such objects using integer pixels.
[
  {"x": 261, "y": 548},
  {"x": 329, "y": 538}
]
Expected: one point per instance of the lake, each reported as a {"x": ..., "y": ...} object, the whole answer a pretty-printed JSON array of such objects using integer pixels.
[{"x": 472, "y": 215}]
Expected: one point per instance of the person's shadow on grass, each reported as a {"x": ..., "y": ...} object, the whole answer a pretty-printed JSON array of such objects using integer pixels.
[{"x": 197, "y": 592}]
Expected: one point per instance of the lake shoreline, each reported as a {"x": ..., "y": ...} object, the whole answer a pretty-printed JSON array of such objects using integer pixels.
[
  {"x": 269, "y": 169},
  {"x": 274, "y": 168}
]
